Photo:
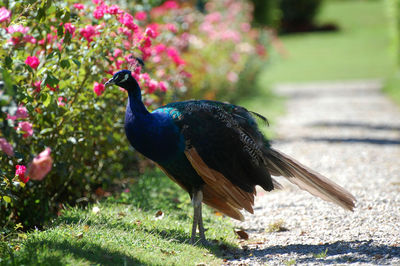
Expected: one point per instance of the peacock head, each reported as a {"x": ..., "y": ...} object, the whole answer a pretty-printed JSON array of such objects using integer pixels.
[{"x": 123, "y": 79}]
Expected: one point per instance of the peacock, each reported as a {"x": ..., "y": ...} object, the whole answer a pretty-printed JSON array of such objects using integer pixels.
[{"x": 216, "y": 152}]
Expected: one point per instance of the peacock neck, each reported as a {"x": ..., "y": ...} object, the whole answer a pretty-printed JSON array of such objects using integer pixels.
[{"x": 135, "y": 103}]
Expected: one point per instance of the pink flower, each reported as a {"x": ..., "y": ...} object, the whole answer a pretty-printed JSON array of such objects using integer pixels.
[
  {"x": 154, "y": 27},
  {"x": 117, "y": 53},
  {"x": 21, "y": 113},
  {"x": 79, "y": 6},
  {"x": 159, "y": 48},
  {"x": 170, "y": 5},
  {"x": 30, "y": 39},
  {"x": 20, "y": 173},
  {"x": 70, "y": 28},
  {"x": 32, "y": 61},
  {"x": 113, "y": 10},
  {"x": 98, "y": 13},
  {"x": 52, "y": 88},
  {"x": 127, "y": 20},
  {"x": 232, "y": 77},
  {"x": 146, "y": 42},
  {"x": 174, "y": 55},
  {"x": 152, "y": 86},
  {"x": 4, "y": 14},
  {"x": 25, "y": 127},
  {"x": 150, "y": 32},
  {"x": 213, "y": 17},
  {"x": 98, "y": 88},
  {"x": 171, "y": 27},
  {"x": 141, "y": 15},
  {"x": 61, "y": 101},
  {"x": 6, "y": 147},
  {"x": 36, "y": 86},
  {"x": 17, "y": 28},
  {"x": 41, "y": 165},
  {"x": 88, "y": 32},
  {"x": 163, "y": 87}
]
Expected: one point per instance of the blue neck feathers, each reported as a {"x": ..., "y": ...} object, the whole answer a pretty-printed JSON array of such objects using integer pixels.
[
  {"x": 153, "y": 134},
  {"x": 135, "y": 97}
]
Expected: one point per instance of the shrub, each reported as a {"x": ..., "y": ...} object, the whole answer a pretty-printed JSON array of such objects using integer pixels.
[
  {"x": 286, "y": 15},
  {"x": 56, "y": 56}
]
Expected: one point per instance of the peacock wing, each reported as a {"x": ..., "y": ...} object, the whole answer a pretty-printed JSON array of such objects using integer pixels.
[{"x": 223, "y": 145}]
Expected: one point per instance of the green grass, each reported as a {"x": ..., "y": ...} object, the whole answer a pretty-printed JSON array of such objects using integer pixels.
[
  {"x": 392, "y": 88},
  {"x": 126, "y": 231},
  {"x": 362, "y": 48}
]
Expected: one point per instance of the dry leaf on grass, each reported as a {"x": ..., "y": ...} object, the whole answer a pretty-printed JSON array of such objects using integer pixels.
[
  {"x": 159, "y": 215},
  {"x": 242, "y": 234}
]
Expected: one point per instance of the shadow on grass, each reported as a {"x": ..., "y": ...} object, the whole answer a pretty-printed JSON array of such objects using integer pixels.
[
  {"x": 218, "y": 247},
  {"x": 337, "y": 252},
  {"x": 53, "y": 252}
]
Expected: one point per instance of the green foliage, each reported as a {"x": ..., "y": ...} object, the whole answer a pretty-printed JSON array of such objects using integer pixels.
[
  {"x": 286, "y": 15},
  {"x": 55, "y": 56},
  {"x": 298, "y": 12},
  {"x": 125, "y": 230},
  {"x": 321, "y": 255}
]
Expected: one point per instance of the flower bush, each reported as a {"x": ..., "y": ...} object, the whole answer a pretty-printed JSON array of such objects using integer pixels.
[{"x": 61, "y": 131}]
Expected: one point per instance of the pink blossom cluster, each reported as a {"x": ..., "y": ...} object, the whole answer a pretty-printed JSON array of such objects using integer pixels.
[
  {"x": 6, "y": 147},
  {"x": 5, "y": 14},
  {"x": 23, "y": 126},
  {"x": 37, "y": 169},
  {"x": 41, "y": 165}
]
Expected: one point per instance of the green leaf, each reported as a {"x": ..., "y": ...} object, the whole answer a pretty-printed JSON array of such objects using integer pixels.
[
  {"x": 51, "y": 80},
  {"x": 67, "y": 38},
  {"x": 8, "y": 82},
  {"x": 60, "y": 31},
  {"x": 76, "y": 62},
  {"x": 65, "y": 63},
  {"x": 47, "y": 101},
  {"x": 7, "y": 199},
  {"x": 8, "y": 62},
  {"x": 46, "y": 130},
  {"x": 66, "y": 16}
]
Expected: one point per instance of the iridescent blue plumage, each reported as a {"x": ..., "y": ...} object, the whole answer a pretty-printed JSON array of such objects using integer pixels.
[{"x": 215, "y": 152}]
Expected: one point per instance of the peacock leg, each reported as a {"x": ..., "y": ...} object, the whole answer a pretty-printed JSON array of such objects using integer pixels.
[
  {"x": 197, "y": 217},
  {"x": 201, "y": 227}
]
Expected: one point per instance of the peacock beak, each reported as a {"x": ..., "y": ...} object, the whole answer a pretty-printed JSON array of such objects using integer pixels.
[{"x": 110, "y": 82}]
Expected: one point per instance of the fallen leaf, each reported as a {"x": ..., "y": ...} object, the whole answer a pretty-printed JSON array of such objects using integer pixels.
[
  {"x": 79, "y": 236},
  {"x": 167, "y": 252},
  {"x": 121, "y": 214},
  {"x": 100, "y": 192},
  {"x": 242, "y": 234},
  {"x": 86, "y": 228},
  {"x": 159, "y": 215}
]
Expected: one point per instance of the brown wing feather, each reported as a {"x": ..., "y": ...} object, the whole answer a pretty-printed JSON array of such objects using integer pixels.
[
  {"x": 213, "y": 199},
  {"x": 219, "y": 191}
]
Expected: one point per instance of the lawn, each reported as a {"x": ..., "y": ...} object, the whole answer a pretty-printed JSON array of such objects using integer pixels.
[
  {"x": 148, "y": 225},
  {"x": 362, "y": 48}
]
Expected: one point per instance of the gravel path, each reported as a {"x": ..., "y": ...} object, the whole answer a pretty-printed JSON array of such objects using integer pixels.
[{"x": 349, "y": 132}]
